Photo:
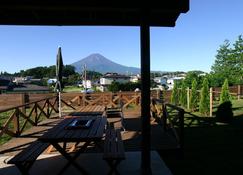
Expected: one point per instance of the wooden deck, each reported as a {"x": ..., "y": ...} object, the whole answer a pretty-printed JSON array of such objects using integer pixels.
[{"x": 131, "y": 137}]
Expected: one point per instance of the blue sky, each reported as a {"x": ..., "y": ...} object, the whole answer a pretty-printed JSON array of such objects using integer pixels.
[{"x": 190, "y": 45}]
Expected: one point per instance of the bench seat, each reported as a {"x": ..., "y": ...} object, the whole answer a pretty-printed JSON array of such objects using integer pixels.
[
  {"x": 25, "y": 159},
  {"x": 113, "y": 149}
]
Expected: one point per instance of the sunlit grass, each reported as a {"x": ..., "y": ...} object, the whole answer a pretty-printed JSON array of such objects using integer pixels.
[{"x": 72, "y": 89}]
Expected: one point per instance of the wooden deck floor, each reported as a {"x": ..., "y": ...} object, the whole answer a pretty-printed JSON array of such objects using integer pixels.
[{"x": 131, "y": 137}]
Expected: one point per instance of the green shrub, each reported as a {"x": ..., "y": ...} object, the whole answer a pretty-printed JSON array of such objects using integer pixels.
[
  {"x": 225, "y": 95},
  {"x": 175, "y": 94},
  {"x": 183, "y": 95},
  {"x": 194, "y": 96},
  {"x": 204, "y": 98}
]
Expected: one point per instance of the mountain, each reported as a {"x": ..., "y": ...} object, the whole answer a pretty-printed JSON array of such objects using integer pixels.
[{"x": 97, "y": 62}]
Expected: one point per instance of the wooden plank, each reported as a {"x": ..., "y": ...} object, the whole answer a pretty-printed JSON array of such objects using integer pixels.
[
  {"x": 53, "y": 132},
  {"x": 100, "y": 130},
  {"x": 30, "y": 153}
]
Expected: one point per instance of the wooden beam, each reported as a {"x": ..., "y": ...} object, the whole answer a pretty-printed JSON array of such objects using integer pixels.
[{"x": 145, "y": 95}]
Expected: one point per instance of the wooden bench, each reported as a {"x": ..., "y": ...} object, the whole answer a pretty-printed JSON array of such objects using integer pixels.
[
  {"x": 113, "y": 149},
  {"x": 25, "y": 159},
  {"x": 115, "y": 112}
]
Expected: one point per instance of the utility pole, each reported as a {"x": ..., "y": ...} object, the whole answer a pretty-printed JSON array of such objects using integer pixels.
[{"x": 85, "y": 78}]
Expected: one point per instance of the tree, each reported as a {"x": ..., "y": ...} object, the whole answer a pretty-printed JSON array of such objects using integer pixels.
[
  {"x": 194, "y": 96},
  {"x": 204, "y": 98},
  {"x": 183, "y": 95},
  {"x": 191, "y": 75},
  {"x": 229, "y": 63},
  {"x": 225, "y": 95},
  {"x": 175, "y": 94}
]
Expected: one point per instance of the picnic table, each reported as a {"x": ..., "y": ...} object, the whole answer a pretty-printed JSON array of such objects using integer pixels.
[
  {"x": 63, "y": 133},
  {"x": 90, "y": 110}
]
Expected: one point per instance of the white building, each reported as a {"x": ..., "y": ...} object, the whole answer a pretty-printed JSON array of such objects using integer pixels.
[
  {"x": 134, "y": 78},
  {"x": 171, "y": 81},
  {"x": 108, "y": 78},
  {"x": 161, "y": 80},
  {"x": 87, "y": 84},
  {"x": 113, "y": 77}
]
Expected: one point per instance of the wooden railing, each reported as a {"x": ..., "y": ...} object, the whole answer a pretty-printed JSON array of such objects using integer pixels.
[
  {"x": 171, "y": 118},
  {"x": 174, "y": 119},
  {"x": 106, "y": 99},
  {"x": 15, "y": 120},
  {"x": 18, "y": 117}
]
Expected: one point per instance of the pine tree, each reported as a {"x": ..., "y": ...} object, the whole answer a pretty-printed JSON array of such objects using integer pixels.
[
  {"x": 183, "y": 95},
  {"x": 175, "y": 94},
  {"x": 225, "y": 95},
  {"x": 194, "y": 96},
  {"x": 204, "y": 98}
]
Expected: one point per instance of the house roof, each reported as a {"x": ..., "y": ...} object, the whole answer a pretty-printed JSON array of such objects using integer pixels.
[{"x": 91, "y": 12}]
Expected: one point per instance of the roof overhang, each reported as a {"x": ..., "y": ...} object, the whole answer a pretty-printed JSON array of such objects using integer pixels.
[{"x": 91, "y": 12}]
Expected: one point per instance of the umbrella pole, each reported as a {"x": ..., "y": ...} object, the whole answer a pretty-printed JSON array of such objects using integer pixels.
[
  {"x": 59, "y": 99},
  {"x": 60, "y": 113}
]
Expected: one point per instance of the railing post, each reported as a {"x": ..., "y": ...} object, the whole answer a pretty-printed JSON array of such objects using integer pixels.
[
  {"x": 48, "y": 108},
  {"x": 83, "y": 99},
  {"x": 181, "y": 120},
  {"x": 36, "y": 114},
  {"x": 158, "y": 94},
  {"x": 164, "y": 110},
  {"x": 211, "y": 102},
  {"x": 238, "y": 93},
  {"x": 57, "y": 99},
  {"x": 188, "y": 98},
  {"x": 79, "y": 100},
  {"x": 16, "y": 122},
  {"x": 23, "y": 101}
]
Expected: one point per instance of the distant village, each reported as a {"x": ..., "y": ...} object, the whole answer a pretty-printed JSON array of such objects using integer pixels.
[{"x": 30, "y": 84}]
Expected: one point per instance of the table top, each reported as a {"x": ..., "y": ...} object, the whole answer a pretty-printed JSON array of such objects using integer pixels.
[
  {"x": 90, "y": 110},
  {"x": 60, "y": 133}
]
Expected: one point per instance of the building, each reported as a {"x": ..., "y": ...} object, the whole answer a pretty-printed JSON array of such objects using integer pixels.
[
  {"x": 135, "y": 78},
  {"x": 161, "y": 80},
  {"x": 171, "y": 82},
  {"x": 87, "y": 84},
  {"x": 113, "y": 77}
]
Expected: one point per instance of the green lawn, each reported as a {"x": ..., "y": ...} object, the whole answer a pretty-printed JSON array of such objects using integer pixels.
[
  {"x": 211, "y": 148},
  {"x": 72, "y": 89}
]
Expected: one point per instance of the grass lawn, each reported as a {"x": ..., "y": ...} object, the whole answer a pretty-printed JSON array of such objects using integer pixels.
[
  {"x": 210, "y": 147},
  {"x": 72, "y": 89}
]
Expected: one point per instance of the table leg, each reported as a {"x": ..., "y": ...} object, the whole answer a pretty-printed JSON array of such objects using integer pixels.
[{"x": 71, "y": 159}]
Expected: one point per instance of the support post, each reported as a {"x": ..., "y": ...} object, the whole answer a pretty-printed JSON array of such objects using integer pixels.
[
  {"x": 145, "y": 96},
  {"x": 188, "y": 98},
  {"x": 16, "y": 122},
  {"x": 238, "y": 94},
  {"x": 211, "y": 102}
]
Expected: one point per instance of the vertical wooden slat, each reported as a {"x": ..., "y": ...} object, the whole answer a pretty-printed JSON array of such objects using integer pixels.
[
  {"x": 48, "y": 108},
  {"x": 211, "y": 102},
  {"x": 181, "y": 120},
  {"x": 188, "y": 98},
  {"x": 238, "y": 93},
  {"x": 16, "y": 122},
  {"x": 79, "y": 100},
  {"x": 36, "y": 114}
]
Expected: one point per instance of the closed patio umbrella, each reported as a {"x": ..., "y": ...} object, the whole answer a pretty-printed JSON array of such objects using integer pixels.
[{"x": 59, "y": 68}]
